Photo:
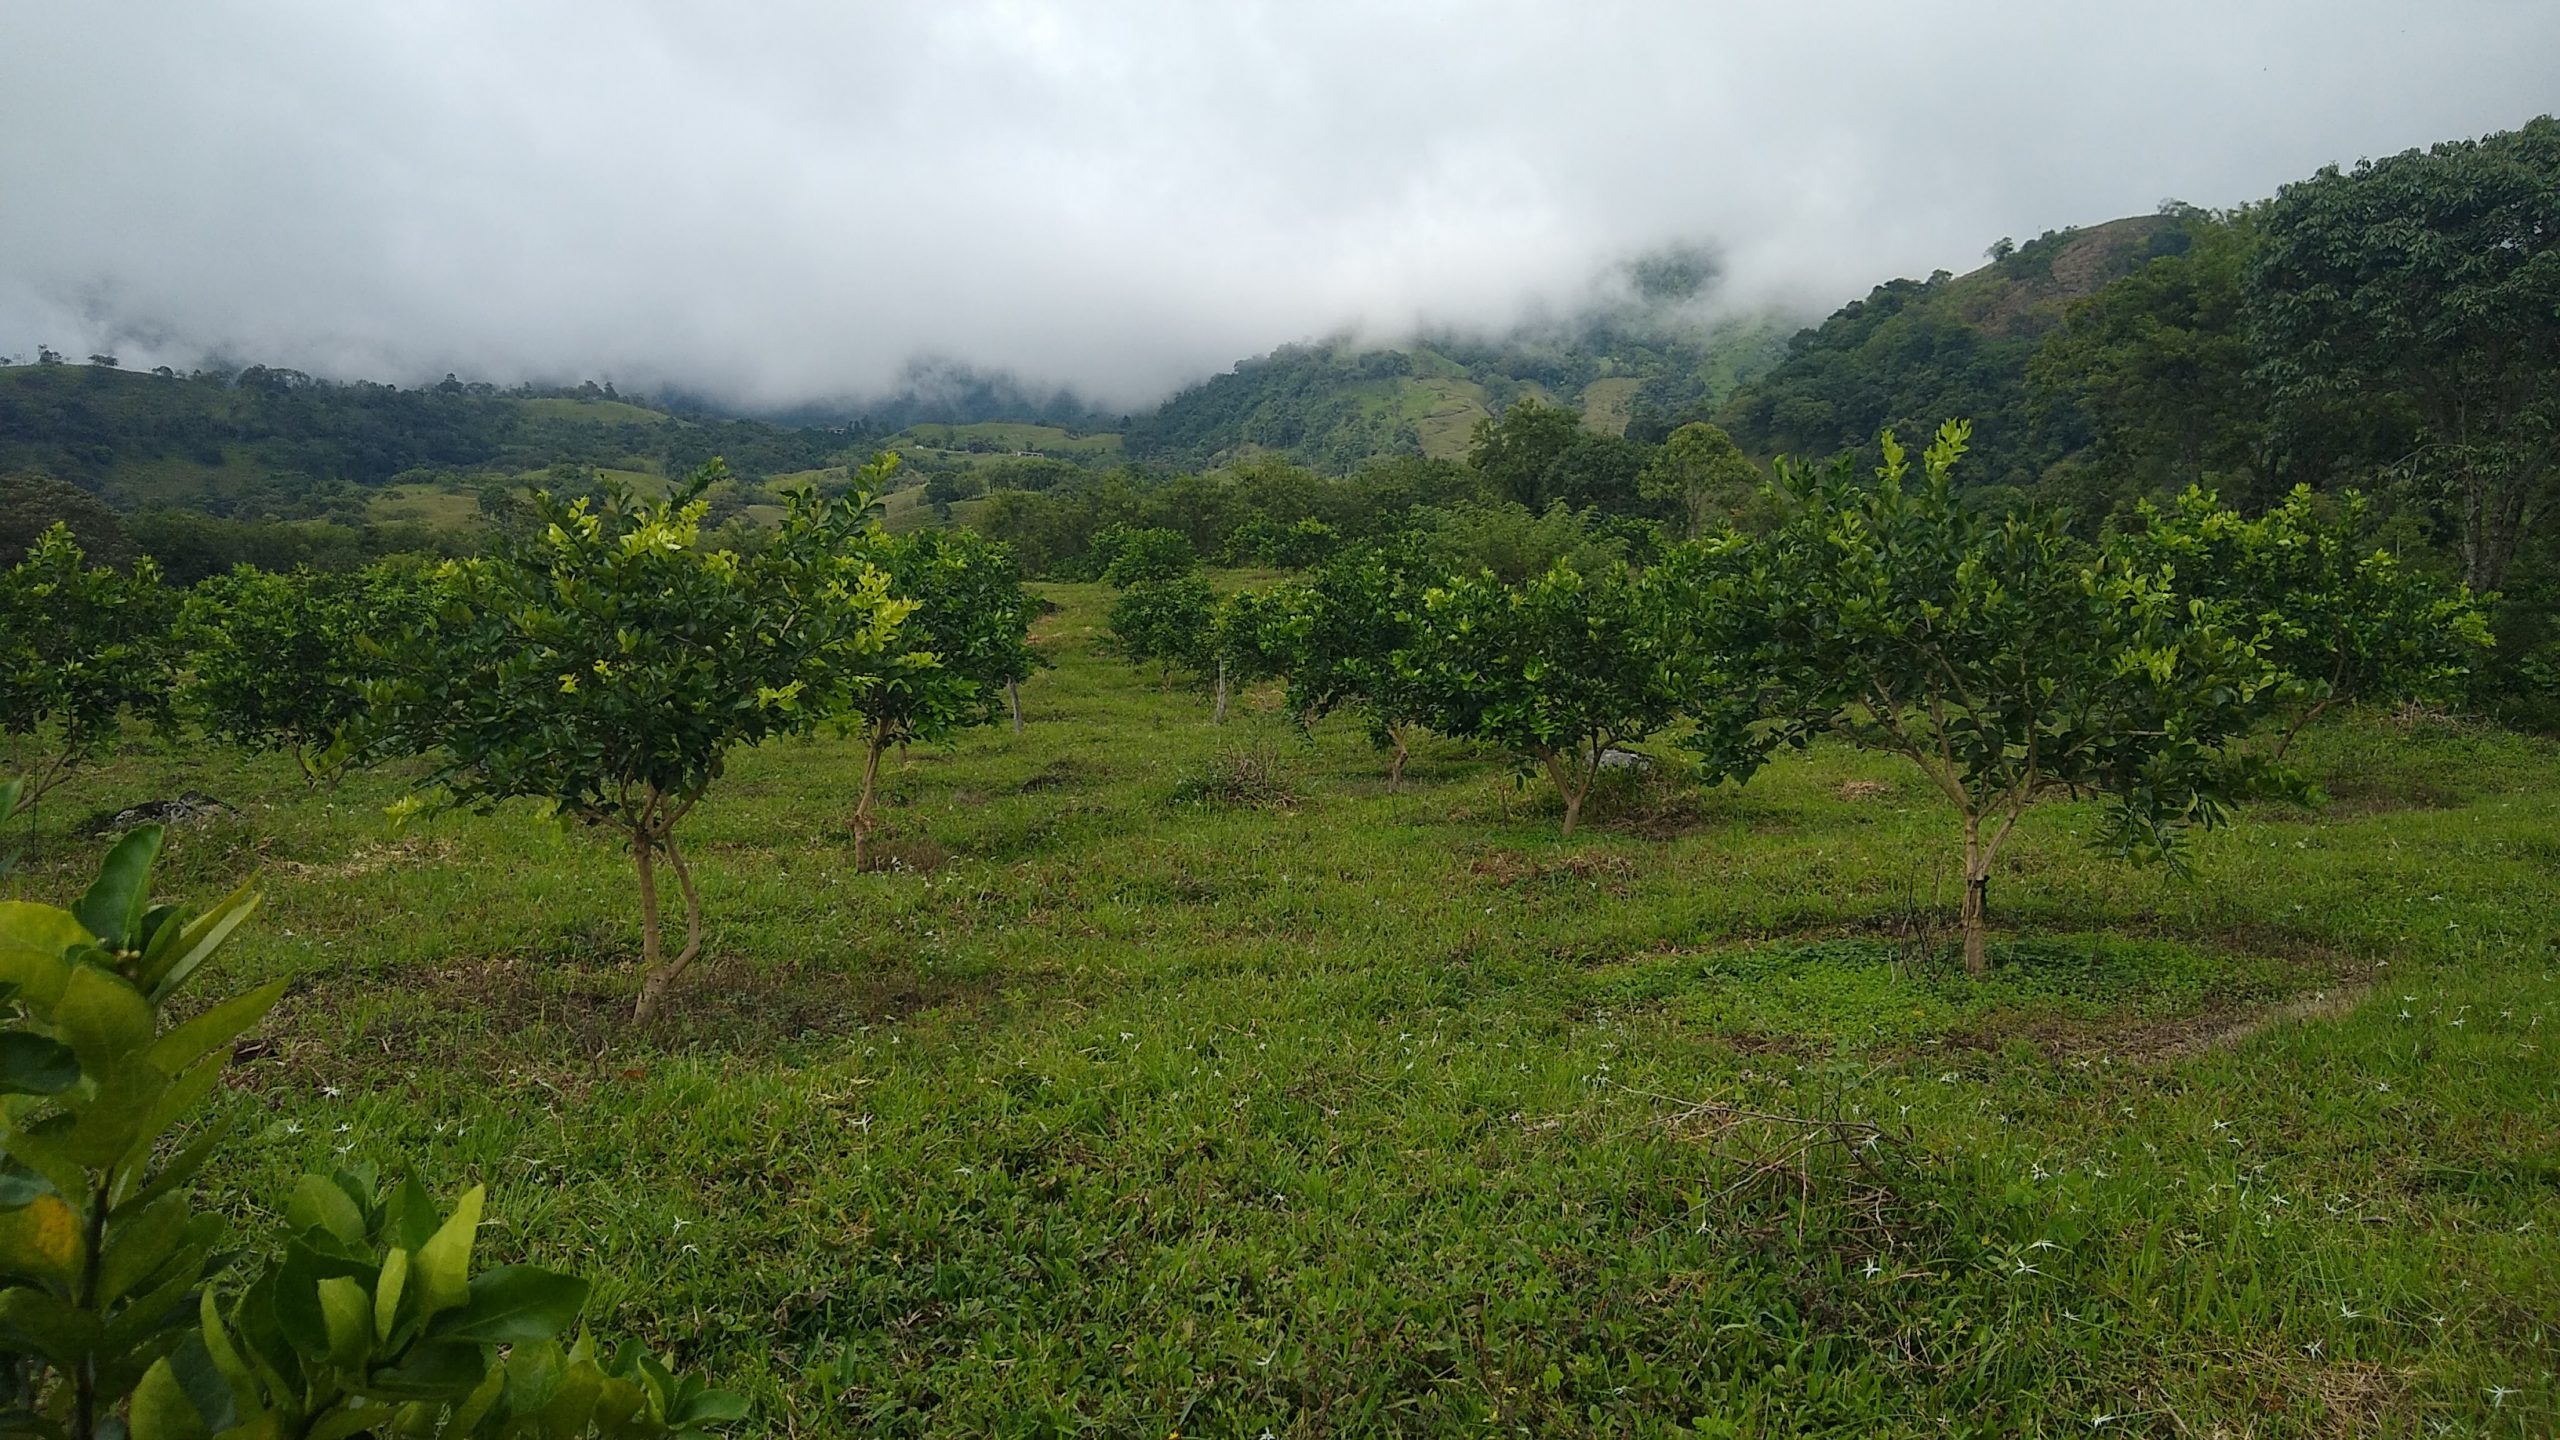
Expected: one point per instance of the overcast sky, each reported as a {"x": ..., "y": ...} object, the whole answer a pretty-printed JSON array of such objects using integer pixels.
[{"x": 779, "y": 201}]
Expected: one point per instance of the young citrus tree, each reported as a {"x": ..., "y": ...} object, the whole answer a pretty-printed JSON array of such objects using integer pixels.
[
  {"x": 279, "y": 660},
  {"x": 2004, "y": 660},
  {"x": 605, "y": 663},
  {"x": 1248, "y": 633},
  {"x": 1343, "y": 627},
  {"x": 964, "y": 647},
  {"x": 82, "y": 647},
  {"x": 1556, "y": 671},
  {"x": 1167, "y": 624},
  {"x": 2320, "y": 596}
]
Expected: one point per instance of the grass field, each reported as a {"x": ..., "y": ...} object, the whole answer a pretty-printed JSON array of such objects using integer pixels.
[{"x": 1174, "y": 1079}]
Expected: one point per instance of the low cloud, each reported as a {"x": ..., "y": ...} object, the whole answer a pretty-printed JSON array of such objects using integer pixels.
[{"x": 784, "y": 202}]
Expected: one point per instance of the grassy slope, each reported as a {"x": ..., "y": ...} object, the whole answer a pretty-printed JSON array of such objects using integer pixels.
[
  {"x": 1605, "y": 403},
  {"x": 1365, "y": 1113},
  {"x": 592, "y": 412},
  {"x": 1007, "y": 436}
]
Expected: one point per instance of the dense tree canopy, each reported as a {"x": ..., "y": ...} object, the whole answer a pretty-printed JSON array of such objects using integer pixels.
[{"x": 2433, "y": 277}]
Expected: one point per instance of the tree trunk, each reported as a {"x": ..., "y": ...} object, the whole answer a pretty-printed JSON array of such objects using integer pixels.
[
  {"x": 870, "y": 784},
  {"x": 1977, "y": 898},
  {"x": 1395, "y": 765},
  {"x": 1220, "y": 717},
  {"x": 659, "y": 976},
  {"x": 1013, "y": 697},
  {"x": 1572, "y": 782},
  {"x": 653, "y": 975}
]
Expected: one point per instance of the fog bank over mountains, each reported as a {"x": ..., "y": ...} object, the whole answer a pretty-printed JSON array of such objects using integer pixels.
[{"x": 789, "y": 204}]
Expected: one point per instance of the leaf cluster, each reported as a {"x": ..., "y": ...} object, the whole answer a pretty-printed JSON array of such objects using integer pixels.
[
  {"x": 607, "y": 661},
  {"x": 2004, "y": 658},
  {"x": 280, "y": 661}
]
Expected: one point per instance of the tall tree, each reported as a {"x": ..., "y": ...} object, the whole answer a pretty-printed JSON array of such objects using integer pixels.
[
  {"x": 2159, "y": 362},
  {"x": 1700, "y": 469},
  {"x": 1516, "y": 451},
  {"x": 32, "y": 503},
  {"x": 2432, "y": 276}
]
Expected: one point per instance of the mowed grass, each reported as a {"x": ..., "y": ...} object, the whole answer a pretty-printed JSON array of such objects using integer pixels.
[{"x": 1177, "y": 1079}]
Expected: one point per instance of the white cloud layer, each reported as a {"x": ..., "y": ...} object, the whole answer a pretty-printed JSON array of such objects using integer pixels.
[{"x": 787, "y": 200}]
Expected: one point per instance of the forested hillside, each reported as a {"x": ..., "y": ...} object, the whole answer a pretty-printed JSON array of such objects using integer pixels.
[
  {"x": 273, "y": 443},
  {"x": 1335, "y": 405},
  {"x": 1916, "y": 351}
]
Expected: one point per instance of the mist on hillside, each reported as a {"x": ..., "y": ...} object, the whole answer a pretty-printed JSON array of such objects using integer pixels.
[{"x": 793, "y": 205}]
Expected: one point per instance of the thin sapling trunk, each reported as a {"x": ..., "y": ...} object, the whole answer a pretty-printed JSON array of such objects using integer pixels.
[
  {"x": 862, "y": 817},
  {"x": 654, "y": 836}
]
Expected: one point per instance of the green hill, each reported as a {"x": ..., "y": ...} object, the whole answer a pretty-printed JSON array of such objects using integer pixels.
[
  {"x": 278, "y": 444},
  {"x": 1915, "y": 352},
  {"x": 1334, "y": 405}
]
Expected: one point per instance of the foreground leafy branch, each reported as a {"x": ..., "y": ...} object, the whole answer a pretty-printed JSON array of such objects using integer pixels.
[{"x": 368, "y": 1320}]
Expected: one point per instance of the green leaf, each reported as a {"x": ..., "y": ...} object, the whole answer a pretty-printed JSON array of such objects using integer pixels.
[
  {"x": 513, "y": 1304},
  {"x": 33, "y": 1065},
  {"x": 355, "y": 1420},
  {"x": 137, "y": 1242},
  {"x": 162, "y": 1410},
  {"x": 533, "y": 1373},
  {"x": 347, "y": 1311},
  {"x": 387, "y": 1291},
  {"x": 34, "y": 941},
  {"x": 179, "y": 1168},
  {"x": 171, "y": 1104},
  {"x": 176, "y": 1049},
  {"x": 224, "y": 1355},
  {"x": 101, "y": 1017},
  {"x": 409, "y": 1217},
  {"x": 442, "y": 1270},
  {"x": 710, "y": 1407},
  {"x": 433, "y": 1370},
  {"x": 198, "y": 941},
  {"x": 56, "y": 1329},
  {"x": 112, "y": 908},
  {"x": 319, "y": 1203}
]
